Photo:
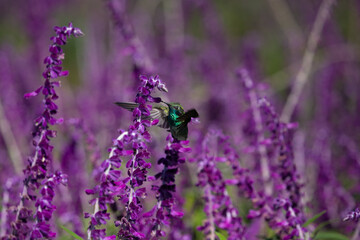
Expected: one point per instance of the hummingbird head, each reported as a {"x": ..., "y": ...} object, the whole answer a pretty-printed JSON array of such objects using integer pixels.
[{"x": 175, "y": 106}]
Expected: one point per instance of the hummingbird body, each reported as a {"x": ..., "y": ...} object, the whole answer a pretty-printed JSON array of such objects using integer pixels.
[
  {"x": 172, "y": 117},
  {"x": 174, "y": 114}
]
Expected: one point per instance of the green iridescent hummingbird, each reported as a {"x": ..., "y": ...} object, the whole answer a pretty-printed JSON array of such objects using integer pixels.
[{"x": 171, "y": 116}]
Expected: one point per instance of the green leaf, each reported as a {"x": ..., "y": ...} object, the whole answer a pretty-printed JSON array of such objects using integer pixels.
[
  {"x": 314, "y": 218},
  {"x": 321, "y": 226},
  {"x": 71, "y": 233},
  {"x": 330, "y": 236},
  {"x": 220, "y": 236}
]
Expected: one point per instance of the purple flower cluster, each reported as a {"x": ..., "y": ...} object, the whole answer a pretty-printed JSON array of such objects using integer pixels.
[
  {"x": 281, "y": 192},
  {"x": 288, "y": 225},
  {"x": 353, "y": 215},
  {"x": 241, "y": 177},
  {"x": 36, "y": 172},
  {"x": 281, "y": 141},
  {"x": 165, "y": 210},
  {"x": 128, "y": 189},
  {"x": 219, "y": 208},
  {"x": 254, "y": 129},
  {"x": 44, "y": 206}
]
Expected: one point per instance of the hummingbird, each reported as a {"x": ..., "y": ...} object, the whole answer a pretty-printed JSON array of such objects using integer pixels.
[{"x": 171, "y": 116}]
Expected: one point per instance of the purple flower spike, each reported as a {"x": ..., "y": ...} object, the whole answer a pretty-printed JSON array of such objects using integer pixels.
[
  {"x": 130, "y": 143},
  {"x": 218, "y": 206},
  {"x": 164, "y": 210},
  {"x": 284, "y": 212},
  {"x": 282, "y": 208},
  {"x": 36, "y": 173}
]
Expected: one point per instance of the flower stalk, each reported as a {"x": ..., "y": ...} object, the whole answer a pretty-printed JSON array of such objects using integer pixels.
[{"x": 36, "y": 173}]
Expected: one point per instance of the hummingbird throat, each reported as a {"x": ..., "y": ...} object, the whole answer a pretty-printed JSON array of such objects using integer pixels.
[{"x": 173, "y": 117}]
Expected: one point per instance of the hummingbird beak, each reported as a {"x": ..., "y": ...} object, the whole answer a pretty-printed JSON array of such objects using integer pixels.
[{"x": 165, "y": 103}]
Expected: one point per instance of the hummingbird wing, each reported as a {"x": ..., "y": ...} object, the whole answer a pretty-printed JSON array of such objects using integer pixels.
[
  {"x": 127, "y": 105},
  {"x": 161, "y": 113},
  {"x": 157, "y": 112}
]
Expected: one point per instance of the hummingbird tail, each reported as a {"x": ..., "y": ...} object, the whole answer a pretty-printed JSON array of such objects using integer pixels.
[
  {"x": 186, "y": 117},
  {"x": 193, "y": 113}
]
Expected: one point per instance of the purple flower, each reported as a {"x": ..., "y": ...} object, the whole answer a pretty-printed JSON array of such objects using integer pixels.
[
  {"x": 353, "y": 215},
  {"x": 218, "y": 206},
  {"x": 282, "y": 208},
  {"x": 254, "y": 129},
  {"x": 36, "y": 173},
  {"x": 164, "y": 211},
  {"x": 285, "y": 177},
  {"x": 128, "y": 188},
  {"x": 281, "y": 140}
]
